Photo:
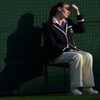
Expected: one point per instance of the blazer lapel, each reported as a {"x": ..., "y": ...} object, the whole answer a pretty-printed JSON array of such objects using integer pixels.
[{"x": 59, "y": 28}]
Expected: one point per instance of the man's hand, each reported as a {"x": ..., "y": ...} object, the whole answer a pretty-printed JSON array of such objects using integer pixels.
[
  {"x": 76, "y": 9},
  {"x": 74, "y": 50}
]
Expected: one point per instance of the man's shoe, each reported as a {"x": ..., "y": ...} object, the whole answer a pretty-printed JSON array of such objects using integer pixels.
[
  {"x": 90, "y": 91},
  {"x": 75, "y": 91}
]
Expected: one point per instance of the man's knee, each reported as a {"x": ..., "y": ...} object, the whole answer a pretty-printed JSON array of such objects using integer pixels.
[
  {"x": 88, "y": 55},
  {"x": 78, "y": 56}
]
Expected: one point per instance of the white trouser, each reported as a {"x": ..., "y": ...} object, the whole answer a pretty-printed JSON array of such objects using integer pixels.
[{"x": 81, "y": 73}]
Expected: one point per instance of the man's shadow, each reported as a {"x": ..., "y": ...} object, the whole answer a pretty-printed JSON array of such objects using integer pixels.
[{"x": 24, "y": 55}]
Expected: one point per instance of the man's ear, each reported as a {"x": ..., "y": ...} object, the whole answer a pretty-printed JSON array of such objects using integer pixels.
[{"x": 59, "y": 8}]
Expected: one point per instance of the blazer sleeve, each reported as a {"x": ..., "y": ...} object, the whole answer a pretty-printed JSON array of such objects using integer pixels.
[{"x": 79, "y": 26}]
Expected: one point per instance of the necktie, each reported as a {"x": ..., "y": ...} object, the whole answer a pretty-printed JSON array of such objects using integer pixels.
[{"x": 64, "y": 26}]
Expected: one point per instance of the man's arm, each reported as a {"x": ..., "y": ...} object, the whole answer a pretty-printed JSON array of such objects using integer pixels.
[{"x": 78, "y": 27}]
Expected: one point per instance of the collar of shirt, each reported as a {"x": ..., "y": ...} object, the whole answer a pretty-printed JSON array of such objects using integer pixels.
[
  {"x": 54, "y": 20},
  {"x": 63, "y": 25}
]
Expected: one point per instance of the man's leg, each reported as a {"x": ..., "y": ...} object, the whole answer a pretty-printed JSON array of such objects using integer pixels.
[
  {"x": 88, "y": 78},
  {"x": 76, "y": 63}
]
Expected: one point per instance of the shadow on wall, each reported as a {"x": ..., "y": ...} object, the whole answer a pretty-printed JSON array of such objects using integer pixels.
[{"x": 24, "y": 56}]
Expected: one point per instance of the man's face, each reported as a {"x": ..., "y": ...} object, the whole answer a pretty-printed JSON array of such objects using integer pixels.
[{"x": 65, "y": 11}]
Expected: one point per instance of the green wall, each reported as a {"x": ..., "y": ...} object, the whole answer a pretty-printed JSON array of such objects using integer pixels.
[{"x": 10, "y": 12}]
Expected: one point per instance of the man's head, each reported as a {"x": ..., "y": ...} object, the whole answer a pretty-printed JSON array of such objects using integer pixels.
[{"x": 62, "y": 9}]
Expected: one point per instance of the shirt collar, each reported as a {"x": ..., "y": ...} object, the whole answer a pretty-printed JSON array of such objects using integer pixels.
[{"x": 54, "y": 20}]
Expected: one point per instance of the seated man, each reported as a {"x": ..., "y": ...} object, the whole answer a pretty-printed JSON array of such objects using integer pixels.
[{"x": 58, "y": 40}]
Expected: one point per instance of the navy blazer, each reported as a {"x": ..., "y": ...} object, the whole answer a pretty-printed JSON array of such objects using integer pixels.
[{"x": 55, "y": 39}]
